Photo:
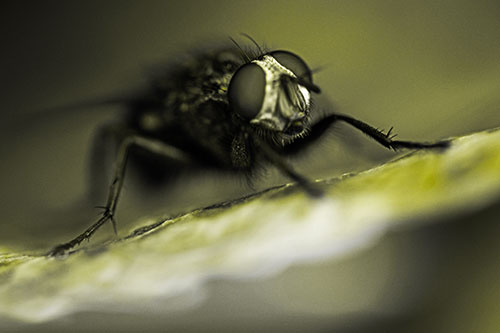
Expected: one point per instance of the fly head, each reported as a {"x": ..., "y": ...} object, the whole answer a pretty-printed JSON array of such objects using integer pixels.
[{"x": 273, "y": 92}]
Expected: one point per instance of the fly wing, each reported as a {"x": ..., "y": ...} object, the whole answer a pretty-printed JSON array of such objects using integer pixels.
[{"x": 126, "y": 100}]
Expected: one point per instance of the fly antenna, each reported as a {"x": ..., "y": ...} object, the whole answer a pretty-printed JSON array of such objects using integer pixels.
[
  {"x": 317, "y": 69},
  {"x": 243, "y": 53},
  {"x": 311, "y": 86},
  {"x": 253, "y": 41}
]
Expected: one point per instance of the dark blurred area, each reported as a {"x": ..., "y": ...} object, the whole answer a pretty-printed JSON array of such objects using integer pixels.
[{"x": 429, "y": 68}]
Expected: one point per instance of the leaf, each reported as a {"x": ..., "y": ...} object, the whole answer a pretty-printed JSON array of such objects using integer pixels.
[{"x": 170, "y": 261}]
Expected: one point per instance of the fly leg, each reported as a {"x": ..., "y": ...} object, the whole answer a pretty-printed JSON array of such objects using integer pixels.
[
  {"x": 152, "y": 145},
  {"x": 278, "y": 161},
  {"x": 104, "y": 147},
  {"x": 385, "y": 139},
  {"x": 318, "y": 129}
]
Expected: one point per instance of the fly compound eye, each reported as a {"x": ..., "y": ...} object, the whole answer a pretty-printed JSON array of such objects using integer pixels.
[
  {"x": 298, "y": 66},
  {"x": 246, "y": 90}
]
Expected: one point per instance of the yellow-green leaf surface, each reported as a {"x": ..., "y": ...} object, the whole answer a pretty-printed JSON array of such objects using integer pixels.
[{"x": 168, "y": 265}]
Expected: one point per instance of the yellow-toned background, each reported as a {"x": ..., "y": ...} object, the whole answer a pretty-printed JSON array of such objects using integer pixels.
[{"x": 429, "y": 68}]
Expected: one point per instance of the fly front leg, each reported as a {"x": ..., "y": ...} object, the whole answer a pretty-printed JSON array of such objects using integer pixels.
[
  {"x": 318, "y": 129},
  {"x": 385, "y": 139},
  {"x": 152, "y": 145}
]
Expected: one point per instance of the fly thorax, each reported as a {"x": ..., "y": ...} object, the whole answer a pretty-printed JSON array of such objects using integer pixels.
[{"x": 240, "y": 152}]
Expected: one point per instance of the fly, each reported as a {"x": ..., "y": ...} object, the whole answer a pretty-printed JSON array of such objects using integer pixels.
[{"x": 232, "y": 110}]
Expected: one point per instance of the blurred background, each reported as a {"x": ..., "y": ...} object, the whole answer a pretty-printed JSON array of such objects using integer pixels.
[{"x": 429, "y": 68}]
